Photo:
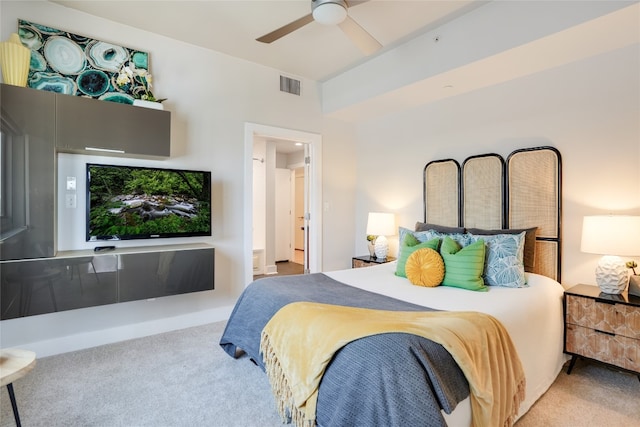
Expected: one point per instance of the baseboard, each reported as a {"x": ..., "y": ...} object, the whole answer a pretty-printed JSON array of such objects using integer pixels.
[
  {"x": 96, "y": 338},
  {"x": 271, "y": 269}
]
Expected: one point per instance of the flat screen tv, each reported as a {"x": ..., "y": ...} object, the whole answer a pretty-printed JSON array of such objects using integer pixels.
[{"x": 130, "y": 202}]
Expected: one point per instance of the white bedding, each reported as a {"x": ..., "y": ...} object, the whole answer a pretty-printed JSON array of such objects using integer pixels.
[{"x": 532, "y": 316}]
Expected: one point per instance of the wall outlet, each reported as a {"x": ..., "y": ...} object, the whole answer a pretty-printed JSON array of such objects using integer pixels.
[{"x": 70, "y": 201}]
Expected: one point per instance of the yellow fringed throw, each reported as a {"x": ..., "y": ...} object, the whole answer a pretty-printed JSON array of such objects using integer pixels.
[{"x": 301, "y": 338}]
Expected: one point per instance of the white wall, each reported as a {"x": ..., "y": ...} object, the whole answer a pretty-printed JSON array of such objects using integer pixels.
[
  {"x": 339, "y": 189},
  {"x": 507, "y": 75},
  {"x": 589, "y": 110},
  {"x": 211, "y": 96}
]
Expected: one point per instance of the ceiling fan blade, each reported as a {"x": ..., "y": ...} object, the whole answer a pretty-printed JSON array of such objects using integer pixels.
[
  {"x": 351, "y": 3},
  {"x": 359, "y": 36},
  {"x": 286, "y": 29}
]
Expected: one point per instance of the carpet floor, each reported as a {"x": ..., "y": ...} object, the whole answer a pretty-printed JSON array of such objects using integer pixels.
[{"x": 183, "y": 378}]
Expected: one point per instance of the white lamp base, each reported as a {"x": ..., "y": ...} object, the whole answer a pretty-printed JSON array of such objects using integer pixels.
[
  {"x": 612, "y": 275},
  {"x": 381, "y": 247}
]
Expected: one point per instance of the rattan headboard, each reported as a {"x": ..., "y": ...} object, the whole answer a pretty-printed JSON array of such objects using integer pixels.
[{"x": 487, "y": 192}]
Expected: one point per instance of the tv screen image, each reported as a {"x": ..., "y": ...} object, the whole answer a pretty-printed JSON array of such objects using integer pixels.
[{"x": 130, "y": 202}]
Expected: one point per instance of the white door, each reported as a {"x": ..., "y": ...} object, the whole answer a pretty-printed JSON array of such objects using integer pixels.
[
  {"x": 283, "y": 214},
  {"x": 299, "y": 210}
]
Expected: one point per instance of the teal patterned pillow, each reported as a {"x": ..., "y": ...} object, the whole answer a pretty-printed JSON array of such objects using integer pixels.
[
  {"x": 421, "y": 236},
  {"x": 504, "y": 264},
  {"x": 463, "y": 239}
]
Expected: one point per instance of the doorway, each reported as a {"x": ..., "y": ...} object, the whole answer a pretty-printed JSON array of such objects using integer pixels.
[
  {"x": 297, "y": 157},
  {"x": 279, "y": 206}
]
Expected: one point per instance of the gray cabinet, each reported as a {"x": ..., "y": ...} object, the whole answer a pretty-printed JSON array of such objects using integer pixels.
[
  {"x": 89, "y": 124},
  {"x": 84, "y": 279},
  {"x": 27, "y": 173},
  {"x": 33, "y": 287},
  {"x": 158, "y": 274}
]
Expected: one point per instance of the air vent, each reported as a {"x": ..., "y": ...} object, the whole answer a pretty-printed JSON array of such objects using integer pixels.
[{"x": 290, "y": 85}]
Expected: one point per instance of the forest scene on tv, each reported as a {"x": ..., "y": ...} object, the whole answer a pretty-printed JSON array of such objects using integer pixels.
[{"x": 128, "y": 203}]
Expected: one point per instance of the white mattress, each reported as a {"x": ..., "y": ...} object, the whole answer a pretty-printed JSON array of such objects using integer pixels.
[{"x": 532, "y": 316}]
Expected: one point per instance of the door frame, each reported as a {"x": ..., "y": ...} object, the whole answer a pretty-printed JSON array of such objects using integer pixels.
[{"x": 314, "y": 143}]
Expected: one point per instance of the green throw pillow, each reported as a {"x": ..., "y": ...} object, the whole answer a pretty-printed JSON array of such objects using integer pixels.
[
  {"x": 463, "y": 267},
  {"x": 408, "y": 246},
  {"x": 410, "y": 240}
]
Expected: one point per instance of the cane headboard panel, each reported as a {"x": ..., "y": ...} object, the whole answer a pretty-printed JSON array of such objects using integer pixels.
[
  {"x": 534, "y": 183},
  {"x": 483, "y": 192},
  {"x": 523, "y": 192},
  {"x": 442, "y": 192}
]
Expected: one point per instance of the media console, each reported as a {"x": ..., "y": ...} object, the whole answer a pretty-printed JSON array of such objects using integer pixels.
[{"x": 77, "y": 279}]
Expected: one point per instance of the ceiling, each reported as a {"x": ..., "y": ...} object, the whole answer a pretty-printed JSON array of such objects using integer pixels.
[{"x": 314, "y": 51}]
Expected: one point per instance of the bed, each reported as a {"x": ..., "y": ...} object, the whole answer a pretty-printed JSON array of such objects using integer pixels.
[{"x": 397, "y": 378}]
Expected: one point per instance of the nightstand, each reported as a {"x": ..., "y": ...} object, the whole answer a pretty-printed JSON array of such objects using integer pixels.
[
  {"x": 602, "y": 327},
  {"x": 368, "y": 261}
]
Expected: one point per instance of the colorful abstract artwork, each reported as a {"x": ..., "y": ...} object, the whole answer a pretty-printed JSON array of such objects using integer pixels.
[{"x": 68, "y": 63}]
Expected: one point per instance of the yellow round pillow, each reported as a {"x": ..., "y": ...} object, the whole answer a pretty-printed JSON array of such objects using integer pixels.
[{"x": 425, "y": 267}]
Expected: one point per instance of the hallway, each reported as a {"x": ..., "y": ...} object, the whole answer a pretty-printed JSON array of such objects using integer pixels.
[{"x": 287, "y": 268}]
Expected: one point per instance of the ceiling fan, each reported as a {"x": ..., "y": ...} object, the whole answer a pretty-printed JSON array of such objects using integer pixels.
[{"x": 330, "y": 12}]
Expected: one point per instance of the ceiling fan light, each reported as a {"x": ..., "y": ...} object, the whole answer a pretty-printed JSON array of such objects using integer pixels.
[{"x": 330, "y": 12}]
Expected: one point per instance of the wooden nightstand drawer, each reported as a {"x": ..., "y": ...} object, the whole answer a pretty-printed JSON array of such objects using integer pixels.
[
  {"x": 619, "y": 319},
  {"x": 358, "y": 263},
  {"x": 368, "y": 261},
  {"x": 606, "y": 347}
]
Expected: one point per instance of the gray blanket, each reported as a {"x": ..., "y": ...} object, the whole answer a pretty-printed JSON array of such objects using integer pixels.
[{"x": 392, "y": 379}]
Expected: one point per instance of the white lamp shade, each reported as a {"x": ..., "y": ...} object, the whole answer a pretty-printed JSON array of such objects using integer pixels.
[
  {"x": 611, "y": 235},
  {"x": 381, "y": 224},
  {"x": 329, "y": 12}
]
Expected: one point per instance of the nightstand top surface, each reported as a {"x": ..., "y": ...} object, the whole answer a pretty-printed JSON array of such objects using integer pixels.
[
  {"x": 595, "y": 293},
  {"x": 368, "y": 258}
]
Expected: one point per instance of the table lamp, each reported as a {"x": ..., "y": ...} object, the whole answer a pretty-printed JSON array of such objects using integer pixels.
[
  {"x": 611, "y": 236},
  {"x": 381, "y": 225}
]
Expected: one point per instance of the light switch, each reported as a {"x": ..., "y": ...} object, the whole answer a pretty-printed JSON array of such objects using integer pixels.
[{"x": 71, "y": 183}]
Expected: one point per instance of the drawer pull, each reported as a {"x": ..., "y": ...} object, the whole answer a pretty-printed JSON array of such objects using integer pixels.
[{"x": 605, "y": 332}]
